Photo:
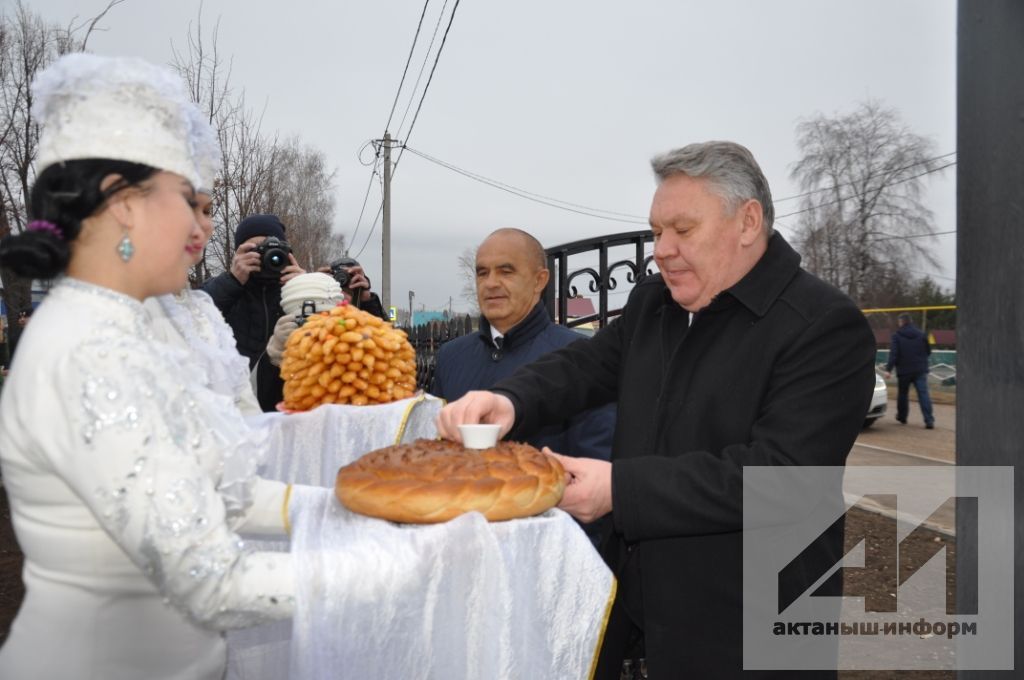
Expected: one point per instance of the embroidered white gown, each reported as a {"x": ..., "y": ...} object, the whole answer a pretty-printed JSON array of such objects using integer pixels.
[{"x": 127, "y": 482}]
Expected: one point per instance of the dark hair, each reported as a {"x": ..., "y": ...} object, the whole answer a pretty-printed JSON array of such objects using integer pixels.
[{"x": 64, "y": 194}]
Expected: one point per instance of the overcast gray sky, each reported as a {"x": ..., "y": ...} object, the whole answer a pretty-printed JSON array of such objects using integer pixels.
[{"x": 568, "y": 99}]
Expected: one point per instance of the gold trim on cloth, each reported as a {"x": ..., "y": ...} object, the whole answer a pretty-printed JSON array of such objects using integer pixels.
[
  {"x": 405, "y": 417},
  {"x": 284, "y": 510},
  {"x": 604, "y": 628}
]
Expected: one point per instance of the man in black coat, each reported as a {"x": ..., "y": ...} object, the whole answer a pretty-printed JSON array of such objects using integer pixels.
[
  {"x": 908, "y": 352},
  {"x": 249, "y": 297},
  {"x": 732, "y": 356}
]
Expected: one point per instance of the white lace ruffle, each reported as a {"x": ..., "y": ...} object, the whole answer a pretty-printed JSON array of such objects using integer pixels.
[{"x": 211, "y": 343}]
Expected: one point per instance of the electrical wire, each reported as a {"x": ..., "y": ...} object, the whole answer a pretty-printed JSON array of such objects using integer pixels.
[
  {"x": 437, "y": 56},
  {"x": 376, "y": 150},
  {"x": 373, "y": 227},
  {"x": 776, "y": 201},
  {"x": 426, "y": 88},
  {"x": 626, "y": 217},
  {"x": 855, "y": 195},
  {"x": 423, "y": 67},
  {"x": 366, "y": 197},
  {"x": 499, "y": 184},
  {"x": 891, "y": 237},
  {"x": 408, "y": 60},
  {"x": 530, "y": 196}
]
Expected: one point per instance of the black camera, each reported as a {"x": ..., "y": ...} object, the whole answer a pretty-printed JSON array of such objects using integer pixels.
[
  {"x": 273, "y": 257},
  {"x": 339, "y": 270}
]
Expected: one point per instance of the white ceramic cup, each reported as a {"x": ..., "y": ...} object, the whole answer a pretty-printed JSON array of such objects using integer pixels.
[{"x": 482, "y": 436}]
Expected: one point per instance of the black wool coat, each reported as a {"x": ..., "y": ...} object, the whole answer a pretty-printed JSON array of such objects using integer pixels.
[{"x": 777, "y": 370}]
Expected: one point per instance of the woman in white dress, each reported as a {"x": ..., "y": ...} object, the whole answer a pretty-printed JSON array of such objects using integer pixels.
[{"x": 127, "y": 478}]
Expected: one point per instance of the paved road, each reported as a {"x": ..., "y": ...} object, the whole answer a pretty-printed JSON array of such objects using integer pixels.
[
  {"x": 887, "y": 443},
  {"x": 939, "y": 443}
]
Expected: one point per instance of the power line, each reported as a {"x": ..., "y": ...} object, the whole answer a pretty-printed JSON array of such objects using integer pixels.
[
  {"x": 948, "y": 278},
  {"x": 369, "y": 186},
  {"x": 408, "y": 59},
  {"x": 423, "y": 66},
  {"x": 430, "y": 78},
  {"x": 380, "y": 210},
  {"x": 892, "y": 237},
  {"x": 776, "y": 201},
  {"x": 531, "y": 196},
  {"x": 497, "y": 183},
  {"x": 626, "y": 217},
  {"x": 855, "y": 195},
  {"x": 376, "y": 153}
]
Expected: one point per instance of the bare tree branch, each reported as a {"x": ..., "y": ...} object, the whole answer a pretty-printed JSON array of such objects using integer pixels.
[{"x": 94, "y": 21}]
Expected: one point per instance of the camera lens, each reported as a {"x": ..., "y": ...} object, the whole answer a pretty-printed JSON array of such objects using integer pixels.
[{"x": 274, "y": 260}]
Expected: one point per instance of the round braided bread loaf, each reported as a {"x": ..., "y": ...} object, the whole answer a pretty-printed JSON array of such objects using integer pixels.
[{"x": 433, "y": 481}]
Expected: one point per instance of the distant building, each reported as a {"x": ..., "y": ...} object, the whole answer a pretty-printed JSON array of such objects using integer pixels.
[
  {"x": 422, "y": 317},
  {"x": 579, "y": 307}
]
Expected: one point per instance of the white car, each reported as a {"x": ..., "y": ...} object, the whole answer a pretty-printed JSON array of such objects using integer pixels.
[{"x": 879, "y": 401}]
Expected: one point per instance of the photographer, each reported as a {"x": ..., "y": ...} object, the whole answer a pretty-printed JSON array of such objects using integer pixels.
[
  {"x": 249, "y": 296},
  {"x": 356, "y": 285}
]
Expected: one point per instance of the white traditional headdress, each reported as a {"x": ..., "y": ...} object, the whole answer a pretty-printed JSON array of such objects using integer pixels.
[
  {"x": 205, "y": 148},
  {"x": 119, "y": 108}
]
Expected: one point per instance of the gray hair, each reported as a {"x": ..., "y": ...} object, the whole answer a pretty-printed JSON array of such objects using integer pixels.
[{"x": 729, "y": 167}]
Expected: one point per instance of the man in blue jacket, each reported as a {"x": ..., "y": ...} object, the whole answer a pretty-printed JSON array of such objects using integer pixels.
[
  {"x": 515, "y": 329},
  {"x": 908, "y": 352}
]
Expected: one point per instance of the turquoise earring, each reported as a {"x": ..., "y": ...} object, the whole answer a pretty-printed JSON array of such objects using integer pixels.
[{"x": 125, "y": 248}]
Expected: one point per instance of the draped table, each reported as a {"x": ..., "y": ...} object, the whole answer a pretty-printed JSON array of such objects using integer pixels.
[{"x": 468, "y": 598}]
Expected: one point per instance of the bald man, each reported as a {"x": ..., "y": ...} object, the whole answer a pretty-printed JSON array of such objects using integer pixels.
[{"x": 515, "y": 329}]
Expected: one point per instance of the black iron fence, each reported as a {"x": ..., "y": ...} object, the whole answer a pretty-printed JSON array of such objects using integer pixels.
[
  {"x": 427, "y": 339},
  {"x": 599, "y": 262},
  {"x": 628, "y": 260}
]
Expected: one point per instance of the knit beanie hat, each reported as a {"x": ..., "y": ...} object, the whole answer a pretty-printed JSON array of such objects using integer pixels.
[{"x": 258, "y": 225}]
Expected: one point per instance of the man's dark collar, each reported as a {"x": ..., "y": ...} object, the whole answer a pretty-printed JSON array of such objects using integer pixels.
[
  {"x": 763, "y": 284},
  {"x": 536, "y": 321}
]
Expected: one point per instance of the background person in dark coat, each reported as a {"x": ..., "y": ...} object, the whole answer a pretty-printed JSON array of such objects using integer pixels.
[
  {"x": 511, "y": 273},
  {"x": 908, "y": 352},
  {"x": 250, "y": 301},
  {"x": 732, "y": 356}
]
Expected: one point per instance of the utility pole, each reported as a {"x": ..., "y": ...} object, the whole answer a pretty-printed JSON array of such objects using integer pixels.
[
  {"x": 386, "y": 233},
  {"x": 411, "y": 296},
  {"x": 989, "y": 429}
]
